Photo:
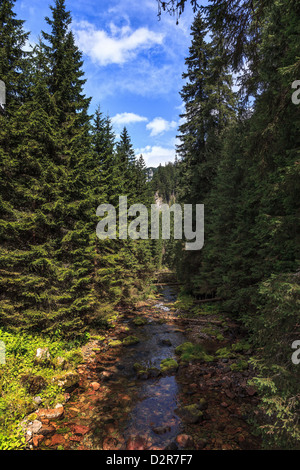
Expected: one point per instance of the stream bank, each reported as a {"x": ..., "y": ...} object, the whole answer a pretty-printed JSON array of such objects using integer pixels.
[{"x": 140, "y": 390}]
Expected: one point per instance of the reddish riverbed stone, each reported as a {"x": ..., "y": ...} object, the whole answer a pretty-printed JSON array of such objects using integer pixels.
[
  {"x": 184, "y": 440},
  {"x": 54, "y": 413},
  {"x": 57, "y": 440},
  {"x": 80, "y": 430}
]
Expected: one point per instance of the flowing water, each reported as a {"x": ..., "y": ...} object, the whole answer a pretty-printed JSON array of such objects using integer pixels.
[
  {"x": 154, "y": 417},
  {"x": 137, "y": 408}
]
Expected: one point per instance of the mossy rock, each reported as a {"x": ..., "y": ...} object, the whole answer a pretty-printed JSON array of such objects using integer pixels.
[
  {"x": 183, "y": 347},
  {"x": 31, "y": 417},
  {"x": 190, "y": 414},
  {"x": 67, "y": 380},
  {"x": 167, "y": 366},
  {"x": 189, "y": 352},
  {"x": 140, "y": 321},
  {"x": 130, "y": 340},
  {"x": 98, "y": 337},
  {"x": 144, "y": 372},
  {"x": 209, "y": 330},
  {"x": 115, "y": 343}
]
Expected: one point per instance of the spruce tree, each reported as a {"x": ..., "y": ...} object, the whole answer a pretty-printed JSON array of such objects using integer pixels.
[
  {"x": 209, "y": 109},
  {"x": 13, "y": 61}
]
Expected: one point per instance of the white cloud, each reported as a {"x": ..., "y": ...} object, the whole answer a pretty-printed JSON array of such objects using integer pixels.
[
  {"x": 160, "y": 125},
  {"x": 121, "y": 119},
  {"x": 154, "y": 155},
  {"x": 118, "y": 46}
]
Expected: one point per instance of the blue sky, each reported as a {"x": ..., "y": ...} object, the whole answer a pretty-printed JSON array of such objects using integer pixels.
[{"x": 133, "y": 64}]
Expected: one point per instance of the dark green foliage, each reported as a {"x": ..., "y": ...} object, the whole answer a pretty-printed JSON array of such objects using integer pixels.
[
  {"x": 209, "y": 111},
  {"x": 56, "y": 169},
  {"x": 12, "y": 57},
  {"x": 164, "y": 182},
  {"x": 245, "y": 168}
]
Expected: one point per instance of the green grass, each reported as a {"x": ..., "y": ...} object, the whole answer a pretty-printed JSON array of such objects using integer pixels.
[{"x": 15, "y": 400}]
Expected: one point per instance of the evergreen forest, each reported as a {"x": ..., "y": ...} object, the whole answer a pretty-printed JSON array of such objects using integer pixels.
[{"x": 65, "y": 293}]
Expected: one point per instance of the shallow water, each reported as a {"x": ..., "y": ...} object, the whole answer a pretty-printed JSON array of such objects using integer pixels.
[{"x": 157, "y": 397}]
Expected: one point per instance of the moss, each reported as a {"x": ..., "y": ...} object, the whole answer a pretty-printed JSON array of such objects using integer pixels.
[
  {"x": 63, "y": 430},
  {"x": 130, "y": 340},
  {"x": 168, "y": 365},
  {"x": 189, "y": 352},
  {"x": 32, "y": 417},
  {"x": 139, "y": 321},
  {"x": 16, "y": 400},
  {"x": 97, "y": 337},
  {"x": 191, "y": 414},
  {"x": 145, "y": 372},
  {"x": 115, "y": 344},
  {"x": 137, "y": 366},
  {"x": 75, "y": 357}
]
